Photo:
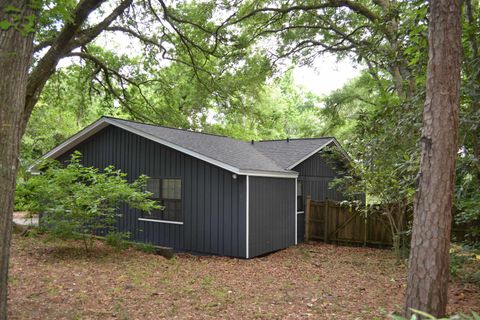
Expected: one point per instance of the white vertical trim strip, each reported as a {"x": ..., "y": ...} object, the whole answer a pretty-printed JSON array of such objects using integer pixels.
[
  {"x": 247, "y": 236},
  {"x": 296, "y": 218}
]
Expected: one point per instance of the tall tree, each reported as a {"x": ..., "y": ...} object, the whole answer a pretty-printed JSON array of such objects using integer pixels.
[
  {"x": 16, "y": 49},
  {"x": 36, "y": 34},
  {"x": 429, "y": 256}
]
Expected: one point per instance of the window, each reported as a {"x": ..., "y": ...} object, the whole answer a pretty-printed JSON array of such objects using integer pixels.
[
  {"x": 168, "y": 192},
  {"x": 299, "y": 196}
]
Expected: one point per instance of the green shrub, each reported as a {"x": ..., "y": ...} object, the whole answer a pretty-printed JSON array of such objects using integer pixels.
[
  {"x": 423, "y": 315},
  {"x": 456, "y": 263},
  {"x": 118, "y": 240},
  {"x": 145, "y": 247},
  {"x": 465, "y": 263},
  {"x": 78, "y": 201}
]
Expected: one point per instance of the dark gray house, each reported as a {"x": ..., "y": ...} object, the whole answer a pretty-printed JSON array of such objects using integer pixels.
[{"x": 221, "y": 196}]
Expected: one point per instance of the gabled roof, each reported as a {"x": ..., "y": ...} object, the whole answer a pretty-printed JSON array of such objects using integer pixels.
[
  {"x": 291, "y": 152},
  {"x": 267, "y": 158}
]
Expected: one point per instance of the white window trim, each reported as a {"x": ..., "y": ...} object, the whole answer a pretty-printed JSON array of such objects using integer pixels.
[{"x": 161, "y": 221}]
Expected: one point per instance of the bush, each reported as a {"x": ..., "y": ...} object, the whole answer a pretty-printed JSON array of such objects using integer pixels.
[
  {"x": 465, "y": 263},
  {"x": 78, "y": 201},
  {"x": 146, "y": 247},
  {"x": 423, "y": 315},
  {"x": 118, "y": 240}
]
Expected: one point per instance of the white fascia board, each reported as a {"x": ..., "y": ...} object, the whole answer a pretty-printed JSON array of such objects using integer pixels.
[
  {"x": 104, "y": 122},
  {"x": 270, "y": 174},
  {"x": 344, "y": 153},
  {"x": 179, "y": 148},
  {"x": 71, "y": 142},
  {"x": 217, "y": 163}
]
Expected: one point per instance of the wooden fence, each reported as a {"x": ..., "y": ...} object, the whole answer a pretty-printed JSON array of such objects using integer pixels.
[{"x": 328, "y": 221}]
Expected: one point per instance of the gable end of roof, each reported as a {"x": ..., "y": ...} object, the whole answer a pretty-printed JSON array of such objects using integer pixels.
[{"x": 103, "y": 122}]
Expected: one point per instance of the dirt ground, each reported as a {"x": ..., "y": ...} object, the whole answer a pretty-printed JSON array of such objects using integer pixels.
[{"x": 310, "y": 281}]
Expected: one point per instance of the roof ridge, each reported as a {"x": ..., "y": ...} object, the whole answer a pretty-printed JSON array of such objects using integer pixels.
[
  {"x": 167, "y": 127},
  {"x": 290, "y": 139},
  {"x": 245, "y": 143}
]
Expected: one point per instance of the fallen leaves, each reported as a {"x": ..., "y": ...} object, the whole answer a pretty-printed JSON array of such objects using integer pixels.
[{"x": 309, "y": 281}]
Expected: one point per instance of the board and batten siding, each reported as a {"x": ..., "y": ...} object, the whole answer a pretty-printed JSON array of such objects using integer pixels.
[
  {"x": 271, "y": 214},
  {"x": 315, "y": 175},
  {"x": 213, "y": 201}
]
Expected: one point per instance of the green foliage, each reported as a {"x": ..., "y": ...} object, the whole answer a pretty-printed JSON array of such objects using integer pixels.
[
  {"x": 81, "y": 201},
  {"x": 70, "y": 101},
  {"x": 382, "y": 137},
  {"x": 221, "y": 77},
  {"x": 465, "y": 263},
  {"x": 19, "y": 19},
  {"x": 117, "y": 240},
  {"x": 423, "y": 315},
  {"x": 467, "y": 197},
  {"x": 145, "y": 247},
  {"x": 66, "y": 106}
]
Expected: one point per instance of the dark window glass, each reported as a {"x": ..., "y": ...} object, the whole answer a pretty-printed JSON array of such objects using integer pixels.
[
  {"x": 299, "y": 196},
  {"x": 168, "y": 192}
]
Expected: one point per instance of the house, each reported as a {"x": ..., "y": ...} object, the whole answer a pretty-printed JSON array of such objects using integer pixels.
[{"x": 221, "y": 196}]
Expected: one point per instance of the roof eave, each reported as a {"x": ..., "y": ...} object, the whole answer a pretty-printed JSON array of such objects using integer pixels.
[
  {"x": 344, "y": 153},
  {"x": 104, "y": 122},
  {"x": 74, "y": 140},
  {"x": 272, "y": 174}
]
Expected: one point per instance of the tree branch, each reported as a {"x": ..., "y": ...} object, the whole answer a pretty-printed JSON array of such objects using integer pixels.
[
  {"x": 64, "y": 43},
  {"x": 352, "y": 5}
]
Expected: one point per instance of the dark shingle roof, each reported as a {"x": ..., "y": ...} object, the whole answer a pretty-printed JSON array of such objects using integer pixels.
[
  {"x": 276, "y": 157},
  {"x": 236, "y": 153},
  {"x": 287, "y": 153}
]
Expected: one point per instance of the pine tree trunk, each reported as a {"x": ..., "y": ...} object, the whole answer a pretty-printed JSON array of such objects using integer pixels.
[
  {"x": 429, "y": 258},
  {"x": 15, "y": 58}
]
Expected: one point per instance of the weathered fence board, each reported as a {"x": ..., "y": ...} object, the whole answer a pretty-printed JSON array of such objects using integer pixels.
[{"x": 329, "y": 221}]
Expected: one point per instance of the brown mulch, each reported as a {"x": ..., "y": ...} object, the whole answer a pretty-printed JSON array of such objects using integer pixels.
[{"x": 310, "y": 281}]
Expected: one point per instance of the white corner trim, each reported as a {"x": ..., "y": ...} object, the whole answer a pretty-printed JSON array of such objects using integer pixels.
[
  {"x": 345, "y": 154},
  {"x": 296, "y": 218},
  {"x": 161, "y": 221},
  {"x": 247, "y": 213}
]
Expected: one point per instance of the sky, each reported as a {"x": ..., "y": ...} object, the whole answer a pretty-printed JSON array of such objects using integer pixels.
[{"x": 325, "y": 75}]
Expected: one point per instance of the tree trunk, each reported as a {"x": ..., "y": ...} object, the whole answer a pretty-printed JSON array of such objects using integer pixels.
[
  {"x": 429, "y": 257},
  {"x": 15, "y": 58}
]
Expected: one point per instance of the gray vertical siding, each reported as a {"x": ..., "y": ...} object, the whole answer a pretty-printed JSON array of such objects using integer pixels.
[
  {"x": 315, "y": 174},
  {"x": 214, "y": 204},
  {"x": 271, "y": 214}
]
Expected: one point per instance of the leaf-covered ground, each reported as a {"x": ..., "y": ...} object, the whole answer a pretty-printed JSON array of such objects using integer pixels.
[{"x": 59, "y": 281}]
